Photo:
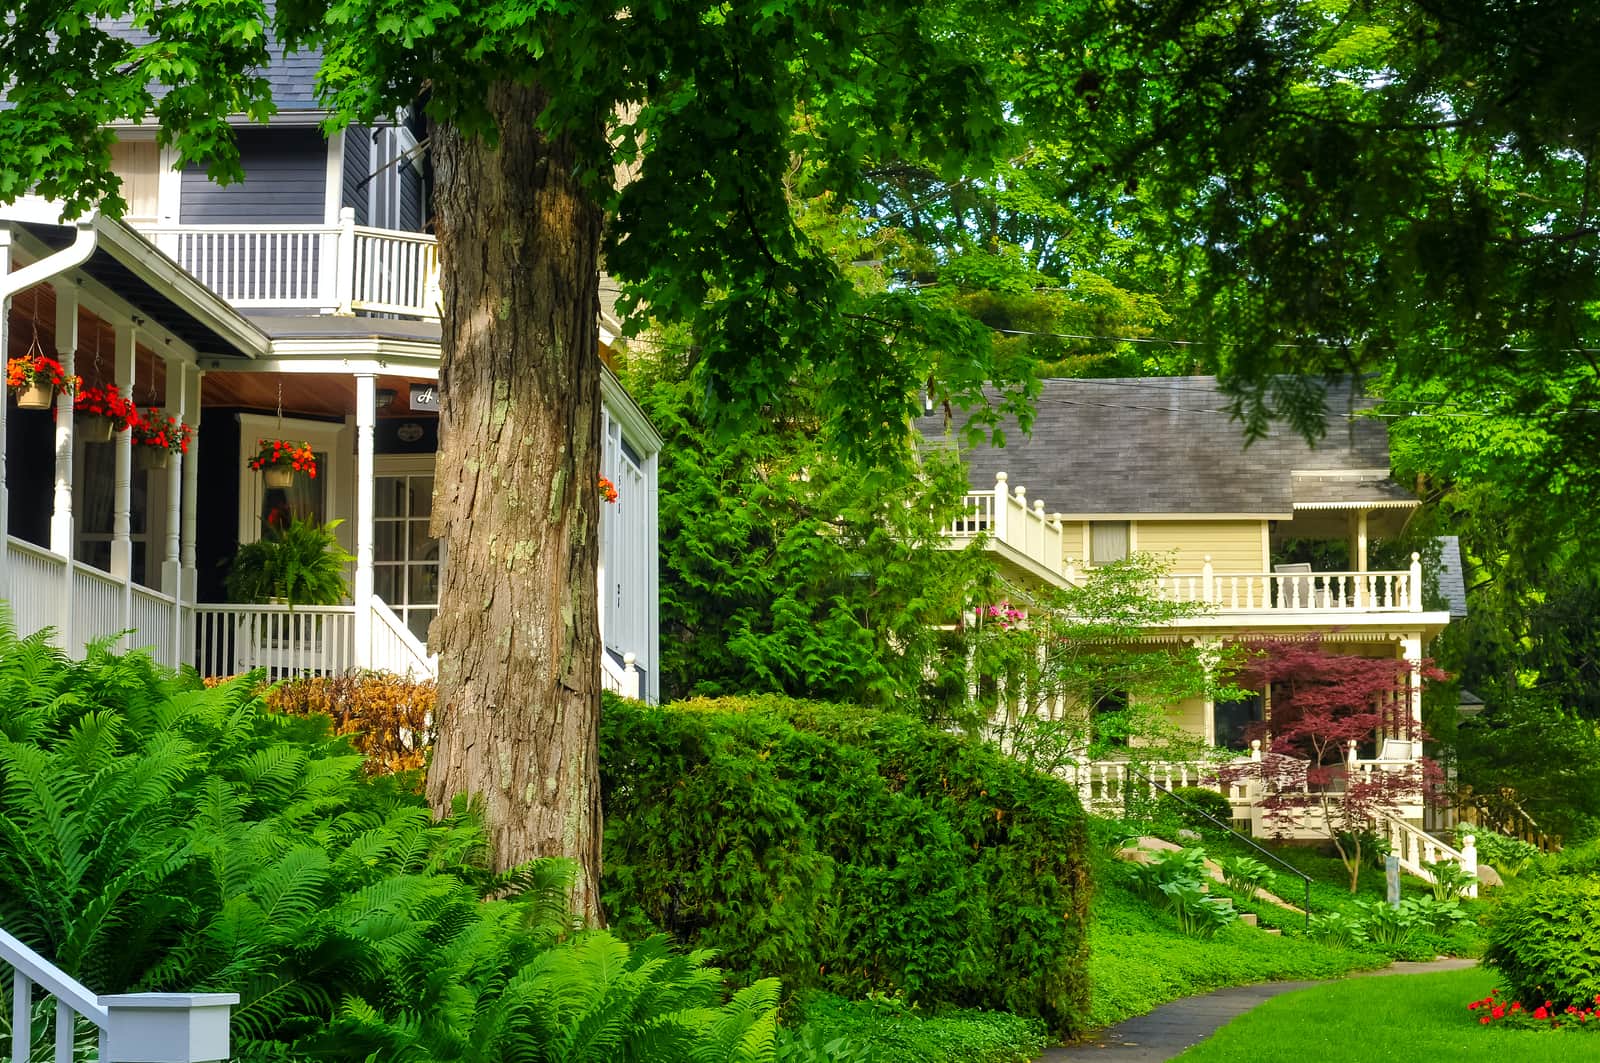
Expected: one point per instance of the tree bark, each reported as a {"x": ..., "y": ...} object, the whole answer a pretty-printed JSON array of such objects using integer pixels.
[{"x": 515, "y": 498}]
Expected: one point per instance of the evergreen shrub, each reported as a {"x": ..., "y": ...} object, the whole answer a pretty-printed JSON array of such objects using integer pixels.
[
  {"x": 847, "y": 851},
  {"x": 1545, "y": 941}
]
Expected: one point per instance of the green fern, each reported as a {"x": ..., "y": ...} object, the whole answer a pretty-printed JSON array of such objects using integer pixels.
[{"x": 159, "y": 836}]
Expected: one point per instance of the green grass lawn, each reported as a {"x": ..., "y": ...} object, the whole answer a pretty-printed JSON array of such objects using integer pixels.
[{"x": 1404, "y": 1017}]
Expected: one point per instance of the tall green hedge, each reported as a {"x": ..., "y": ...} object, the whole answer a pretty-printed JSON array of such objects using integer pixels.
[{"x": 847, "y": 850}]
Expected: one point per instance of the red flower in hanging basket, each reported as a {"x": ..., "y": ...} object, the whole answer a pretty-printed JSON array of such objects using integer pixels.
[
  {"x": 608, "y": 490},
  {"x": 155, "y": 429},
  {"x": 96, "y": 401},
  {"x": 29, "y": 370},
  {"x": 283, "y": 454}
]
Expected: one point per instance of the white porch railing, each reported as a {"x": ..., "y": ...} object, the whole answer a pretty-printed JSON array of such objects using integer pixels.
[
  {"x": 1005, "y": 516},
  {"x": 93, "y": 606},
  {"x": 395, "y": 649},
  {"x": 150, "y": 1027},
  {"x": 1107, "y": 785},
  {"x": 621, "y": 679},
  {"x": 1416, "y": 848},
  {"x": 305, "y": 640},
  {"x": 339, "y": 268}
]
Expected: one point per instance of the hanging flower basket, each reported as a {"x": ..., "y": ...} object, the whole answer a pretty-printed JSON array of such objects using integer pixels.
[
  {"x": 156, "y": 437},
  {"x": 608, "y": 490},
  {"x": 279, "y": 460},
  {"x": 35, "y": 379},
  {"x": 101, "y": 413}
]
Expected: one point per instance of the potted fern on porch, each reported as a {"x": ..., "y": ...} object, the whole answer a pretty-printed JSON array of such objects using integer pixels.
[{"x": 298, "y": 563}]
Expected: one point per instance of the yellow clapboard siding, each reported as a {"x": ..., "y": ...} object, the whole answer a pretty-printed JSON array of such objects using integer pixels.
[{"x": 1234, "y": 545}]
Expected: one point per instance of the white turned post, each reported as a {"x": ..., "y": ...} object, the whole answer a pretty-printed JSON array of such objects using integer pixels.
[
  {"x": 1350, "y": 754},
  {"x": 5, "y": 347},
  {"x": 1208, "y": 581},
  {"x": 1002, "y": 495},
  {"x": 1415, "y": 587},
  {"x": 630, "y": 672},
  {"x": 174, "y": 406},
  {"x": 345, "y": 267},
  {"x": 66, "y": 354},
  {"x": 1411, "y": 649},
  {"x": 1019, "y": 534},
  {"x": 1255, "y": 750},
  {"x": 1469, "y": 862},
  {"x": 366, "y": 421},
  {"x": 127, "y": 345},
  {"x": 188, "y": 583}
]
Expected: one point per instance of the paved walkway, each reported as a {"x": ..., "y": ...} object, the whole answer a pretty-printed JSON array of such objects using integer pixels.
[{"x": 1171, "y": 1028}]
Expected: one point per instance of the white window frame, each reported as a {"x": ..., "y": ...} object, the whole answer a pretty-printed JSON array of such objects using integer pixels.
[
  {"x": 404, "y": 465},
  {"x": 328, "y": 437}
]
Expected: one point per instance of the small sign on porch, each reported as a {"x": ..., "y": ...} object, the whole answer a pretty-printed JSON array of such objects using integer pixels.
[{"x": 425, "y": 396}]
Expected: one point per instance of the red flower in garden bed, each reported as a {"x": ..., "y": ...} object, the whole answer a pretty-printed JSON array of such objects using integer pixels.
[
  {"x": 281, "y": 453},
  {"x": 1494, "y": 1012}
]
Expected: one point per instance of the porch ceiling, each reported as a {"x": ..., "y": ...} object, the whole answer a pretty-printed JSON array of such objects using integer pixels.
[
  {"x": 317, "y": 394},
  {"x": 33, "y": 316}
]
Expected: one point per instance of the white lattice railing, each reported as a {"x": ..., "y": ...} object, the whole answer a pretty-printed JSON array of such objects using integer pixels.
[
  {"x": 305, "y": 640},
  {"x": 395, "y": 649},
  {"x": 151, "y": 1027},
  {"x": 339, "y": 268}
]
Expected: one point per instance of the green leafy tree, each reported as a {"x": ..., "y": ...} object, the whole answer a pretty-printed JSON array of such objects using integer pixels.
[{"x": 532, "y": 108}]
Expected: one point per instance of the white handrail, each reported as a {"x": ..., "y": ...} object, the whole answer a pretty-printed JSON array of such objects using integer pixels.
[
  {"x": 1416, "y": 848},
  {"x": 41, "y": 972},
  {"x": 622, "y": 679},
  {"x": 395, "y": 648}
]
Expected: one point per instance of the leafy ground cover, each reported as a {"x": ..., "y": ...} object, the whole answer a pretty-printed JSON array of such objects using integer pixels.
[
  {"x": 887, "y": 1030},
  {"x": 1138, "y": 959},
  {"x": 1407, "y": 1017}
]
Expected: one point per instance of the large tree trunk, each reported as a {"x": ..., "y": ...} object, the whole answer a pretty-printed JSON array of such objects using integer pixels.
[{"x": 516, "y": 504}]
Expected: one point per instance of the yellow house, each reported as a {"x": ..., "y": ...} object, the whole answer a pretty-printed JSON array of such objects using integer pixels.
[{"x": 1159, "y": 466}]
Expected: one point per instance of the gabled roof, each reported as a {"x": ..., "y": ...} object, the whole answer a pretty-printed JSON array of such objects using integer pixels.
[{"x": 1136, "y": 446}]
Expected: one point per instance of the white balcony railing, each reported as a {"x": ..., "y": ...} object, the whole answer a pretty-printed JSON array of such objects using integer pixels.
[
  {"x": 340, "y": 268},
  {"x": 1004, "y": 516}
]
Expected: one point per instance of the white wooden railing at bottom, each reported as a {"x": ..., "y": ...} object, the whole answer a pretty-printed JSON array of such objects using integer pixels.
[
  {"x": 131, "y": 1027},
  {"x": 621, "y": 679},
  {"x": 1107, "y": 785},
  {"x": 305, "y": 640},
  {"x": 1416, "y": 849},
  {"x": 395, "y": 649}
]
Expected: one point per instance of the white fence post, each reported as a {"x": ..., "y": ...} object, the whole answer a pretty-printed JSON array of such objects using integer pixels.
[
  {"x": 1002, "y": 496},
  {"x": 1414, "y": 588},
  {"x": 1469, "y": 862},
  {"x": 1208, "y": 581}
]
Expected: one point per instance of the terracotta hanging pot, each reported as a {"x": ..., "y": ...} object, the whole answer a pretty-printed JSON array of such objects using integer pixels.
[
  {"x": 92, "y": 429},
  {"x": 36, "y": 396},
  {"x": 278, "y": 476},
  {"x": 153, "y": 457}
]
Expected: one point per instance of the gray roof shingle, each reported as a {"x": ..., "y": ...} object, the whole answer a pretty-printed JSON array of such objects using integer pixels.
[{"x": 1168, "y": 445}]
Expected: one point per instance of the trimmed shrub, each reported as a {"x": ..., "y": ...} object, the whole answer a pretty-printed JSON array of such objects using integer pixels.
[
  {"x": 847, "y": 851},
  {"x": 1545, "y": 941},
  {"x": 1210, "y": 802}
]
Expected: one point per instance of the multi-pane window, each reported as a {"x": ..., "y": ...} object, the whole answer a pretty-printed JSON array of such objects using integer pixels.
[{"x": 405, "y": 556}]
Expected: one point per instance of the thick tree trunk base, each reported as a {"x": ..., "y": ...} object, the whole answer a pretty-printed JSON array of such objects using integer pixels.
[{"x": 515, "y": 502}]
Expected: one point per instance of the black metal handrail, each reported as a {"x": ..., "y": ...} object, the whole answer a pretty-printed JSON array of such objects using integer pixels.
[{"x": 1251, "y": 842}]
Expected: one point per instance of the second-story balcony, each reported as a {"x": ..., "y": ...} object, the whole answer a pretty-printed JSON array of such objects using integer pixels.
[
  {"x": 343, "y": 268},
  {"x": 1039, "y": 546}
]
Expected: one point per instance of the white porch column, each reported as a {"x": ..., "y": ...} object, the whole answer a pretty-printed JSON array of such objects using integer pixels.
[
  {"x": 127, "y": 342},
  {"x": 1358, "y": 541},
  {"x": 5, "y": 346},
  {"x": 1209, "y": 652},
  {"x": 175, "y": 405},
  {"x": 66, "y": 350},
  {"x": 188, "y": 584},
  {"x": 1411, "y": 651},
  {"x": 366, "y": 422}
]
